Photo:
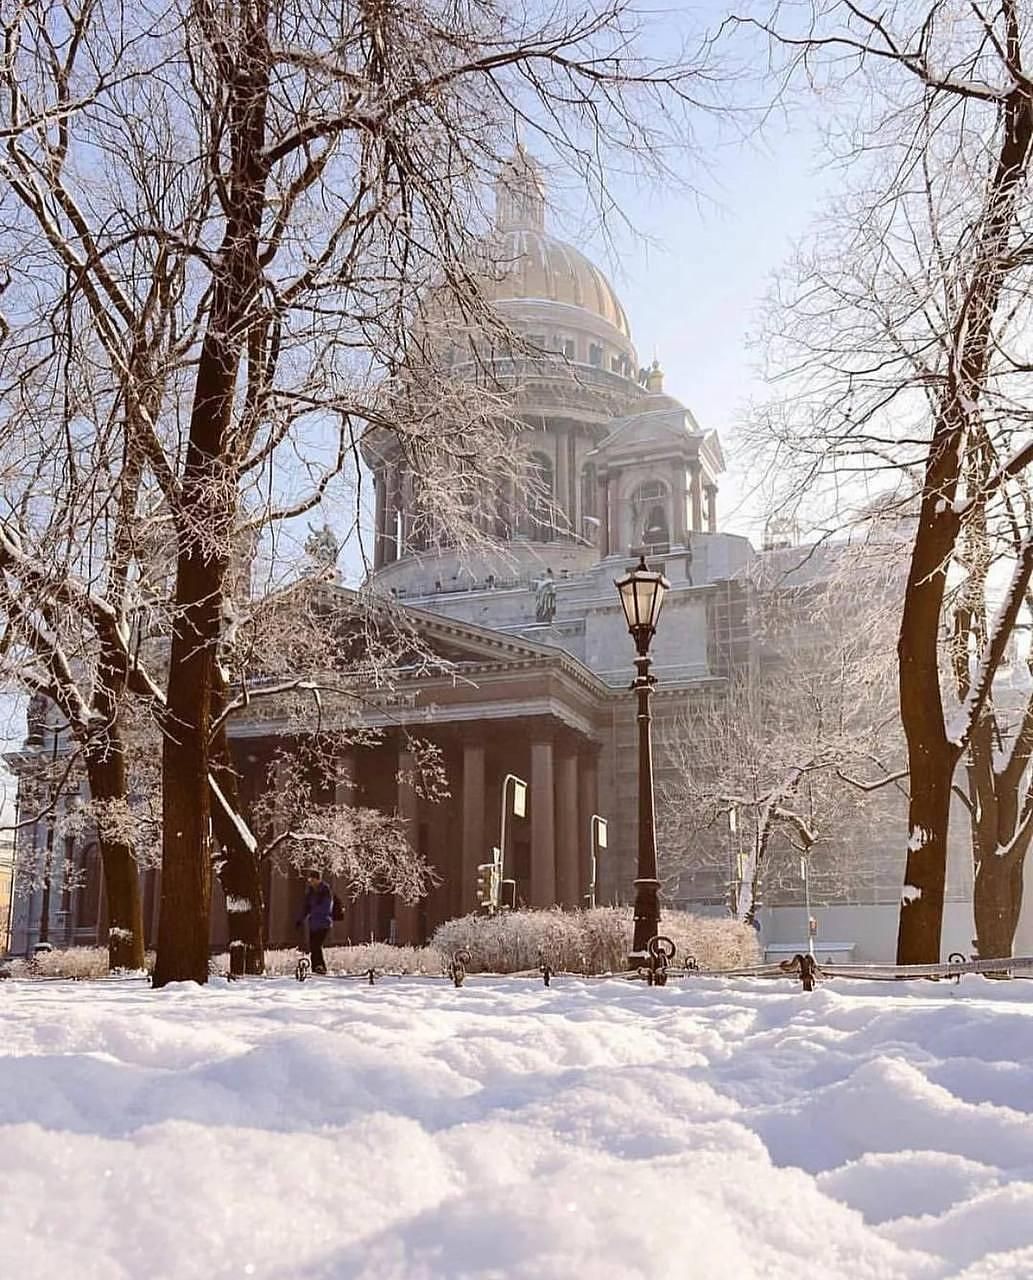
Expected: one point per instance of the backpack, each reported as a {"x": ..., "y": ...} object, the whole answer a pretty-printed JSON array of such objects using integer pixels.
[{"x": 336, "y": 908}]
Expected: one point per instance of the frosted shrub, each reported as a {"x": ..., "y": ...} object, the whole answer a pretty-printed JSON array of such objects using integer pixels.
[
  {"x": 594, "y": 941},
  {"x": 371, "y": 955},
  {"x": 717, "y": 942},
  {"x": 71, "y": 962}
]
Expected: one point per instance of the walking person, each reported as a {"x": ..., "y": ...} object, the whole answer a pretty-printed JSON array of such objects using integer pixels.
[{"x": 318, "y": 910}]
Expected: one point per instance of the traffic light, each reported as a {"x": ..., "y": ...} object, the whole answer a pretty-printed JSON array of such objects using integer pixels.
[{"x": 487, "y": 893}]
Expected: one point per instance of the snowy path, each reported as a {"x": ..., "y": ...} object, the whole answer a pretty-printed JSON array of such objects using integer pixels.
[{"x": 413, "y": 1132}]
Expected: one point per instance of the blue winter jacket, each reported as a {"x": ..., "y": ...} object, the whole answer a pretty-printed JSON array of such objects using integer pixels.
[{"x": 319, "y": 906}]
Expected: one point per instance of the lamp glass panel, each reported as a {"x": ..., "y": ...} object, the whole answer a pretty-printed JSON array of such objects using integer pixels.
[
  {"x": 656, "y": 603},
  {"x": 629, "y": 602}
]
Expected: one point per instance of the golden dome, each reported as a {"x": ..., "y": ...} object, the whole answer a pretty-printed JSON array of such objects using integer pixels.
[
  {"x": 533, "y": 266},
  {"x": 529, "y": 265}
]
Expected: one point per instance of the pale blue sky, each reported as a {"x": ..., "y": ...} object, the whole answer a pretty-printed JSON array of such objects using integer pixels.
[{"x": 693, "y": 288}]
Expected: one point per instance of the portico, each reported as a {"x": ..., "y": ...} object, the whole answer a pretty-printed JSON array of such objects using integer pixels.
[{"x": 520, "y": 708}]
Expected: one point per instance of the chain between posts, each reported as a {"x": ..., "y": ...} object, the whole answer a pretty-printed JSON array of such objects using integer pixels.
[
  {"x": 660, "y": 952},
  {"x": 806, "y": 966}
]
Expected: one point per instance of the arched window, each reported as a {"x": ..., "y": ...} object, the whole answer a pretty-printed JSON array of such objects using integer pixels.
[{"x": 650, "y": 517}]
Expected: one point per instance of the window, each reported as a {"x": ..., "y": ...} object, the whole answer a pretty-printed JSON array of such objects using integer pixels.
[
  {"x": 650, "y": 517},
  {"x": 536, "y": 340},
  {"x": 595, "y": 355},
  {"x": 568, "y": 348}
]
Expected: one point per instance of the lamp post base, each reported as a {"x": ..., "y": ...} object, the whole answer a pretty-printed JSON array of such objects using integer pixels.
[{"x": 647, "y": 921}]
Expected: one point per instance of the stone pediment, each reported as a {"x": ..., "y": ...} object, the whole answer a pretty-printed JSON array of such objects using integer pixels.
[
  {"x": 464, "y": 642},
  {"x": 666, "y": 430},
  {"x": 418, "y": 636}
]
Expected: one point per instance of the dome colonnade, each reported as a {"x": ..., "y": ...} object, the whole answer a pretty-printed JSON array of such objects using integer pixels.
[{"x": 614, "y": 463}]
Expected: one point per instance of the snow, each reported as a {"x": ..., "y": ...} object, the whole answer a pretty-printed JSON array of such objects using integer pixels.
[
  {"x": 412, "y": 1131},
  {"x": 910, "y": 893}
]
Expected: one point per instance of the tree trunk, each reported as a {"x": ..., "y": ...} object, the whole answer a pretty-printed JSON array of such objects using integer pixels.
[
  {"x": 1000, "y": 842},
  {"x": 921, "y": 908},
  {"x": 205, "y": 518},
  {"x": 932, "y": 756},
  {"x": 750, "y": 887},
  {"x": 239, "y": 865},
  {"x": 106, "y": 774},
  {"x": 997, "y": 902}
]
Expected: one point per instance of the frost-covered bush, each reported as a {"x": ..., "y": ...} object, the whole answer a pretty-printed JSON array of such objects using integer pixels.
[
  {"x": 71, "y": 962},
  {"x": 717, "y": 942},
  {"x": 594, "y": 941},
  {"x": 573, "y": 941},
  {"x": 92, "y": 962},
  {"x": 371, "y": 955}
]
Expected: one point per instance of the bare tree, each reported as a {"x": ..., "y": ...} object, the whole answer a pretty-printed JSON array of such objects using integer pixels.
[
  {"x": 366, "y": 850},
  {"x": 1000, "y": 747},
  {"x": 780, "y": 747},
  {"x": 902, "y": 336},
  {"x": 280, "y": 188}
]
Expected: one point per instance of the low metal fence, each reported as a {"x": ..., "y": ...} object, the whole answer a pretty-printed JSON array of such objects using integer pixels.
[{"x": 658, "y": 967}]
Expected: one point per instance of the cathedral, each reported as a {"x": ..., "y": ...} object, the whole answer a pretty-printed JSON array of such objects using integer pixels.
[
  {"x": 539, "y": 654},
  {"x": 537, "y": 661}
]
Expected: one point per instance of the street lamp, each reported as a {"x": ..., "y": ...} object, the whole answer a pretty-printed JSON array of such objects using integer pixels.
[
  {"x": 43, "y": 934},
  {"x": 519, "y": 810},
  {"x": 641, "y": 594},
  {"x": 599, "y": 829},
  {"x": 805, "y": 872}
]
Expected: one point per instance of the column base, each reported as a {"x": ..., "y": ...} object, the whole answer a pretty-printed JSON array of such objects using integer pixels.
[{"x": 647, "y": 920}]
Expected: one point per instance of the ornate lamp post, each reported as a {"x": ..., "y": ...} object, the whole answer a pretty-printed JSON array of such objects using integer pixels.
[{"x": 641, "y": 594}]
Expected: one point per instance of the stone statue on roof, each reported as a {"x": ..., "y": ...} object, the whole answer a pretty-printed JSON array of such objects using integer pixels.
[{"x": 545, "y": 598}]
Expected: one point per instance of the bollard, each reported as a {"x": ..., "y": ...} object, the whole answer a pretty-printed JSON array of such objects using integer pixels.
[
  {"x": 956, "y": 957},
  {"x": 545, "y": 969},
  {"x": 238, "y": 955},
  {"x": 457, "y": 967}
]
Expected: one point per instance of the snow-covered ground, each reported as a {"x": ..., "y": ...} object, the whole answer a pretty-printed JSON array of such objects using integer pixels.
[{"x": 410, "y": 1131}]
